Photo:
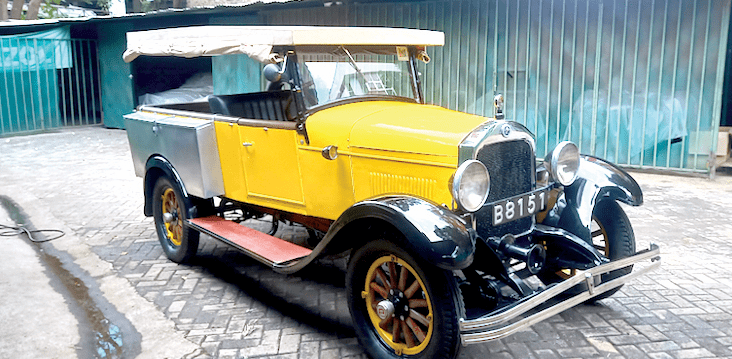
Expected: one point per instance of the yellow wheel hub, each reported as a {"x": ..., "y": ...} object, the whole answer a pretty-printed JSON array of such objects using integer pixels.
[
  {"x": 392, "y": 283},
  {"x": 173, "y": 228}
]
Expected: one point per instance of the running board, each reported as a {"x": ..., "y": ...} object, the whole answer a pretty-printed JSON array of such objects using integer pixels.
[{"x": 267, "y": 249}]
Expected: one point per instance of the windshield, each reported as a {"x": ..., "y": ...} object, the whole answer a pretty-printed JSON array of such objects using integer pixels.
[{"x": 330, "y": 77}]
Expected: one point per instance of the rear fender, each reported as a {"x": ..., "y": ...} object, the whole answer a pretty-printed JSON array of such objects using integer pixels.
[
  {"x": 597, "y": 180},
  {"x": 430, "y": 232},
  {"x": 157, "y": 166}
]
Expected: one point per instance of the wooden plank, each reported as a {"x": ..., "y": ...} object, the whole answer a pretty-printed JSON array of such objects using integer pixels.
[{"x": 273, "y": 249}]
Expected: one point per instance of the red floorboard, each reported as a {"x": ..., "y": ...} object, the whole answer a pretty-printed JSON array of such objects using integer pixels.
[{"x": 272, "y": 248}]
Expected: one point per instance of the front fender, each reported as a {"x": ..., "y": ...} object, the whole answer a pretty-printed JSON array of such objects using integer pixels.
[
  {"x": 597, "y": 180},
  {"x": 431, "y": 232}
]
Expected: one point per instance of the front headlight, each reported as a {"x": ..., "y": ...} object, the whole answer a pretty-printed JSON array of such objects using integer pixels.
[
  {"x": 470, "y": 185},
  {"x": 563, "y": 163}
]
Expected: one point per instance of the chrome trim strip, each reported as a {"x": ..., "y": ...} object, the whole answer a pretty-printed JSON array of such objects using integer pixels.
[
  {"x": 488, "y": 323},
  {"x": 395, "y": 159},
  {"x": 283, "y": 125},
  {"x": 490, "y": 133},
  {"x": 277, "y": 199}
]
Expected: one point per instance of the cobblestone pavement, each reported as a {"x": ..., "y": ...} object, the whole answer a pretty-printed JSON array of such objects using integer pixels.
[{"x": 232, "y": 307}]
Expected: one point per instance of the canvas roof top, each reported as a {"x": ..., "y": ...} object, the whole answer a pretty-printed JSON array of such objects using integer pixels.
[{"x": 257, "y": 41}]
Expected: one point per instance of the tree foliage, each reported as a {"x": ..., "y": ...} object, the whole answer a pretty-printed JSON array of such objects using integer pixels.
[
  {"x": 4, "y": 7},
  {"x": 49, "y": 9}
]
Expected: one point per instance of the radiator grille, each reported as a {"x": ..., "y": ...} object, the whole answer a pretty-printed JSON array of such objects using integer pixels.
[{"x": 511, "y": 167}]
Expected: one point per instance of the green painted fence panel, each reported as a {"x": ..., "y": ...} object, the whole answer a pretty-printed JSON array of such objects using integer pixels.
[
  {"x": 47, "y": 80},
  {"x": 28, "y": 67},
  {"x": 30, "y": 101}
]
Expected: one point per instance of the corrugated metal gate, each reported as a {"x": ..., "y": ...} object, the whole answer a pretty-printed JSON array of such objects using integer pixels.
[
  {"x": 48, "y": 83},
  {"x": 636, "y": 82}
]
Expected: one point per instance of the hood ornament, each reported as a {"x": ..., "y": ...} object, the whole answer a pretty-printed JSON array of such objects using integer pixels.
[{"x": 498, "y": 103}]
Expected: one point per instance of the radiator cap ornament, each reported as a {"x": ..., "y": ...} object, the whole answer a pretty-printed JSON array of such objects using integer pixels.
[{"x": 498, "y": 103}]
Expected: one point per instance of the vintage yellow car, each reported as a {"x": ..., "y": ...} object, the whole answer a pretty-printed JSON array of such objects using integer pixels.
[{"x": 445, "y": 215}]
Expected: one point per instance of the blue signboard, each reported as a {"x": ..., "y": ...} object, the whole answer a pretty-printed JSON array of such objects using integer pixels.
[{"x": 43, "y": 50}]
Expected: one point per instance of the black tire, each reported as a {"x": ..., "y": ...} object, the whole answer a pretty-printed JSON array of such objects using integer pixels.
[
  {"x": 613, "y": 237},
  {"x": 435, "y": 300},
  {"x": 179, "y": 241},
  {"x": 619, "y": 238}
]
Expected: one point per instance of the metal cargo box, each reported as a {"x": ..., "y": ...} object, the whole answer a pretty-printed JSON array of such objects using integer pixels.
[{"x": 188, "y": 144}]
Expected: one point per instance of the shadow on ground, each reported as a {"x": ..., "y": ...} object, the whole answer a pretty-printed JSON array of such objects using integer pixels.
[{"x": 315, "y": 295}]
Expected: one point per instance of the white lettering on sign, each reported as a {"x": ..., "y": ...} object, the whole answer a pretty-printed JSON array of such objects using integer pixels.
[{"x": 497, "y": 214}]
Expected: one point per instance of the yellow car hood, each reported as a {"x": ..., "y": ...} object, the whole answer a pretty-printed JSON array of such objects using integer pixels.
[{"x": 397, "y": 127}]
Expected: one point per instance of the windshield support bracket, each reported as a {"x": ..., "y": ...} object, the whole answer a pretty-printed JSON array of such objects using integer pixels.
[{"x": 414, "y": 75}]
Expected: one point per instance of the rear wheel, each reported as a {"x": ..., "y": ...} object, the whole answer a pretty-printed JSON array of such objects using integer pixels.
[
  {"x": 170, "y": 211},
  {"x": 612, "y": 236},
  {"x": 400, "y": 306}
]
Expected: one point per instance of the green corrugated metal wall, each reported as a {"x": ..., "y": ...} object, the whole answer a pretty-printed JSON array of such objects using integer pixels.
[
  {"x": 117, "y": 90},
  {"x": 235, "y": 73},
  {"x": 636, "y": 82}
]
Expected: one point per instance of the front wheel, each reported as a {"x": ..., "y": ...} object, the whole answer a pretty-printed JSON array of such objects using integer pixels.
[
  {"x": 400, "y": 306},
  {"x": 612, "y": 236},
  {"x": 170, "y": 211}
]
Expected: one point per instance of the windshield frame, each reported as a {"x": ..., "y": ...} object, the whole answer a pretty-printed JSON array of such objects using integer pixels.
[{"x": 413, "y": 79}]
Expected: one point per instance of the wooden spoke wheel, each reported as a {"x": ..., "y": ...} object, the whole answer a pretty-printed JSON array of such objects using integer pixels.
[
  {"x": 170, "y": 211},
  {"x": 400, "y": 306}
]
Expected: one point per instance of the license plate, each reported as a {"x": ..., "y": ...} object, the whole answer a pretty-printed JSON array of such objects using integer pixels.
[{"x": 520, "y": 206}]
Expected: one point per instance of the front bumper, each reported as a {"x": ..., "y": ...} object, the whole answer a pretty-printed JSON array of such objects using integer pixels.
[{"x": 501, "y": 323}]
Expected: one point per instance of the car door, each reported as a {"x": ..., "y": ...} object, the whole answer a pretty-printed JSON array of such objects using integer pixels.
[{"x": 270, "y": 164}]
